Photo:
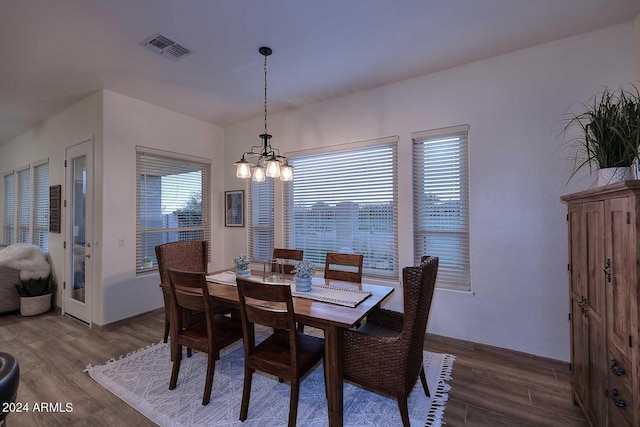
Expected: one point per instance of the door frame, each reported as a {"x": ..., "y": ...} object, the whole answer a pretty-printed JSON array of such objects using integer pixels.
[{"x": 81, "y": 311}]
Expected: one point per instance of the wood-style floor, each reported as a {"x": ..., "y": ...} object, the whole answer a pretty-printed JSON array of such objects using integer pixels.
[{"x": 487, "y": 389}]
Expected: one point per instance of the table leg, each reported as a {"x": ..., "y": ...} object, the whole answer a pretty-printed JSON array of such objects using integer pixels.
[{"x": 333, "y": 357}]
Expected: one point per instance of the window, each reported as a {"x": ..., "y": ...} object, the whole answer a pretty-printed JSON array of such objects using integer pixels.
[
  {"x": 26, "y": 206},
  {"x": 261, "y": 220},
  {"x": 40, "y": 228},
  {"x": 344, "y": 199},
  {"x": 23, "y": 205},
  {"x": 441, "y": 202},
  {"x": 8, "y": 223},
  {"x": 173, "y": 202}
]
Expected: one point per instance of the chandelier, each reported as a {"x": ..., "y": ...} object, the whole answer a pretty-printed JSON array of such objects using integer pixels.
[{"x": 265, "y": 160}]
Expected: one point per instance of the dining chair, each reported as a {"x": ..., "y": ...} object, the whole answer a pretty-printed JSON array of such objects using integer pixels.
[
  {"x": 289, "y": 255},
  {"x": 191, "y": 255},
  {"x": 347, "y": 267},
  {"x": 215, "y": 332},
  {"x": 385, "y": 355},
  {"x": 286, "y": 353}
]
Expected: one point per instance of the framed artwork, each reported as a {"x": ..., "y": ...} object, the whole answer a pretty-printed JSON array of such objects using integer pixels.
[
  {"x": 234, "y": 208},
  {"x": 54, "y": 208}
]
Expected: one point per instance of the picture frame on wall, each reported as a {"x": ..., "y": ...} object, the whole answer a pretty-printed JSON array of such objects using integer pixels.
[{"x": 234, "y": 208}]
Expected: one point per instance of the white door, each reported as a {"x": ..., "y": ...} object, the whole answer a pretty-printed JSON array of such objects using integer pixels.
[{"x": 78, "y": 286}]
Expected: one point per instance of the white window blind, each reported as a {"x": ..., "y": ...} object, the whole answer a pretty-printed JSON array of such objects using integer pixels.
[
  {"x": 261, "y": 220},
  {"x": 344, "y": 199},
  {"x": 24, "y": 206},
  {"x": 441, "y": 202},
  {"x": 173, "y": 202},
  {"x": 40, "y": 230},
  {"x": 8, "y": 222}
]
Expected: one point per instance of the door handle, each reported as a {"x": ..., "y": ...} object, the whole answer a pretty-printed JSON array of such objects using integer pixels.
[{"x": 86, "y": 256}]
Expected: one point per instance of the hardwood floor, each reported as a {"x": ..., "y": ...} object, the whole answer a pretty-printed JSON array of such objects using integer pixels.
[{"x": 487, "y": 389}]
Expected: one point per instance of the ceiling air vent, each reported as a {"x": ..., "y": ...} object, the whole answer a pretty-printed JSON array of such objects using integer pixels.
[{"x": 166, "y": 47}]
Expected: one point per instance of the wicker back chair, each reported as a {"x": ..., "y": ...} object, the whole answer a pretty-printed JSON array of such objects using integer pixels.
[
  {"x": 286, "y": 353},
  {"x": 190, "y": 292},
  {"x": 287, "y": 254},
  {"x": 192, "y": 255},
  {"x": 385, "y": 355}
]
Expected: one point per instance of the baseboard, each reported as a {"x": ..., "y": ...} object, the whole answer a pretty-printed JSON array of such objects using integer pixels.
[
  {"x": 503, "y": 353},
  {"x": 113, "y": 325}
]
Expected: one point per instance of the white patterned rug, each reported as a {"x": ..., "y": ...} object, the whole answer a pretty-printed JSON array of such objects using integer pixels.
[{"x": 141, "y": 379}]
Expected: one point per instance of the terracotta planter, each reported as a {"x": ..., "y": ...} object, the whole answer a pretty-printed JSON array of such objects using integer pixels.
[
  {"x": 608, "y": 176},
  {"x": 31, "y": 306}
]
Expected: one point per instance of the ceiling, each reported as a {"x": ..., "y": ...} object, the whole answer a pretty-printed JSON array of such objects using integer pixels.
[{"x": 55, "y": 52}]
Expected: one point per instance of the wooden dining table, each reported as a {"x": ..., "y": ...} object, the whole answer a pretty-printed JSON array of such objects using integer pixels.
[{"x": 331, "y": 318}]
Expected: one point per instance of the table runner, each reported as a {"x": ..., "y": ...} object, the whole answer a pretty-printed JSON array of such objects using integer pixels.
[{"x": 319, "y": 292}]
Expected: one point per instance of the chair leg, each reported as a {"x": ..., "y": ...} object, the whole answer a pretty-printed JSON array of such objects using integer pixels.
[
  {"x": 176, "y": 354},
  {"x": 404, "y": 410},
  {"x": 189, "y": 352},
  {"x": 301, "y": 327},
  {"x": 423, "y": 379},
  {"x": 326, "y": 389},
  {"x": 246, "y": 393},
  {"x": 166, "y": 330},
  {"x": 293, "y": 402},
  {"x": 211, "y": 366}
]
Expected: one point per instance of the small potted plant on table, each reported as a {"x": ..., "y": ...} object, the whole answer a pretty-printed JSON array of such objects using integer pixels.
[
  {"x": 303, "y": 272},
  {"x": 35, "y": 295},
  {"x": 241, "y": 262}
]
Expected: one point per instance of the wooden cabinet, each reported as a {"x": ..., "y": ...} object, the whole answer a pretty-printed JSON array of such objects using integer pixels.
[{"x": 604, "y": 262}]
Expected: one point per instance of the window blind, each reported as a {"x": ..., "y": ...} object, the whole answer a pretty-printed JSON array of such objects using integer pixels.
[
  {"x": 441, "y": 203},
  {"x": 173, "y": 202},
  {"x": 8, "y": 222},
  {"x": 24, "y": 206},
  {"x": 261, "y": 220},
  {"x": 344, "y": 199},
  {"x": 40, "y": 230}
]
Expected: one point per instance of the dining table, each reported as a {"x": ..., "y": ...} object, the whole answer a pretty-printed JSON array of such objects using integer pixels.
[{"x": 332, "y": 318}]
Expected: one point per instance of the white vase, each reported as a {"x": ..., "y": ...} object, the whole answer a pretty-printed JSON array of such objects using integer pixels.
[
  {"x": 303, "y": 284},
  {"x": 243, "y": 273},
  {"x": 31, "y": 306},
  {"x": 608, "y": 176}
]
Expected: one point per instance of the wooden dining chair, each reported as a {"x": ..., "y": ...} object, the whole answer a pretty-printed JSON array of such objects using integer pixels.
[
  {"x": 190, "y": 292},
  {"x": 191, "y": 255},
  {"x": 288, "y": 255},
  {"x": 286, "y": 353},
  {"x": 385, "y": 355},
  {"x": 347, "y": 267}
]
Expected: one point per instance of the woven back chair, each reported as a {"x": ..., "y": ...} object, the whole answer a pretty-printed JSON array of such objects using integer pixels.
[
  {"x": 353, "y": 262},
  {"x": 189, "y": 292},
  {"x": 286, "y": 353},
  {"x": 385, "y": 355},
  {"x": 192, "y": 255},
  {"x": 289, "y": 255}
]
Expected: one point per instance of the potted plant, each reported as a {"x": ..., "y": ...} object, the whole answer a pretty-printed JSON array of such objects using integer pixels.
[
  {"x": 35, "y": 295},
  {"x": 303, "y": 272},
  {"x": 241, "y": 262},
  {"x": 609, "y": 134}
]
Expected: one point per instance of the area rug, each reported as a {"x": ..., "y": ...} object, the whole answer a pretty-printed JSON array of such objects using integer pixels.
[{"x": 141, "y": 379}]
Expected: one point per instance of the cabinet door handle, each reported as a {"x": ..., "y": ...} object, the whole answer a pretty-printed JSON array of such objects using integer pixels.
[
  {"x": 607, "y": 273},
  {"x": 620, "y": 403},
  {"x": 615, "y": 369}
]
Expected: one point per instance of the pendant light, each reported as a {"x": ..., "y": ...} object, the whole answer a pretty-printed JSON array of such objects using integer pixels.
[{"x": 267, "y": 162}]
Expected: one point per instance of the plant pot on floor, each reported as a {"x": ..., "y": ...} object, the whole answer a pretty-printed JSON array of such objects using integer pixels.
[{"x": 32, "y": 306}]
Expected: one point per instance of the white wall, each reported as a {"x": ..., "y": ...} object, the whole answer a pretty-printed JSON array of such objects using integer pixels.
[
  {"x": 129, "y": 122},
  {"x": 76, "y": 124},
  {"x": 518, "y": 171}
]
